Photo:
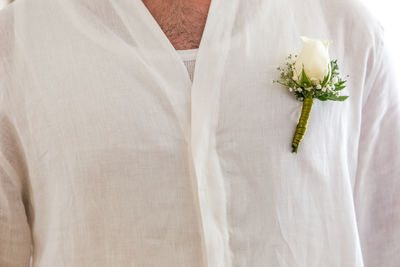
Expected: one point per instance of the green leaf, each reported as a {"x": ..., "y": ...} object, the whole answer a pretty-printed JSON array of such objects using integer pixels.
[
  {"x": 325, "y": 81},
  {"x": 304, "y": 79},
  {"x": 331, "y": 97},
  {"x": 329, "y": 75},
  {"x": 334, "y": 66},
  {"x": 338, "y": 88},
  {"x": 342, "y": 98},
  {"x": 322, "y": 98},
  {"x": 337, "y": 98}
]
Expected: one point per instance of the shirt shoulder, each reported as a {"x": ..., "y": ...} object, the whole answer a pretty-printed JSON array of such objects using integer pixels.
[
  {"x": 355, "y": 22},
  {"x": 361, "y": 36}
]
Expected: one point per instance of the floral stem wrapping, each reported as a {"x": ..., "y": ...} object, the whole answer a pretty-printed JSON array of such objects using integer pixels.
[{"x": 302, "y": 124}]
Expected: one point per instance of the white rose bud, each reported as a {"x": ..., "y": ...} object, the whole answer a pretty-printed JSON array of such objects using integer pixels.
[{"x": 315, "y": 58}]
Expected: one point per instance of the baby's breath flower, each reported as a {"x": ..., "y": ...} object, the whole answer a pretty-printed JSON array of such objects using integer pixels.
[
  {"x": 319, "y": 87},
  {"x": 335, "y": 80}
]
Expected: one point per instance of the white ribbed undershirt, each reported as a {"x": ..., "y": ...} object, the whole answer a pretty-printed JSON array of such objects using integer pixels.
[{"x": 189, "y": 59}]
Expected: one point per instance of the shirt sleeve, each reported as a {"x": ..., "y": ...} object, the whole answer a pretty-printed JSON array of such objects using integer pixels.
[
  {"x": 377, "y": 183},
  {"x": 15, "y": 234}
]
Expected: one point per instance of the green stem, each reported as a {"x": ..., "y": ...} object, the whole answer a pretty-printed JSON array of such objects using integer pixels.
[{"x": 302, "y": 124}]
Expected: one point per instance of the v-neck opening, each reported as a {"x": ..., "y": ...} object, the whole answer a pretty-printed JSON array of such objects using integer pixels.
[
  {"x": 167, "y": 43},
  {"x": 195, "y": 104}
]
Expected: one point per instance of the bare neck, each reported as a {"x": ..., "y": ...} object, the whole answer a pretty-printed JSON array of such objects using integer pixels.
[{"x": 182, "y": 21}]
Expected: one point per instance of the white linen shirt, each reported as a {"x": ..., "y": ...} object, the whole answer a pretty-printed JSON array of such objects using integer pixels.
[{"x": 111, "y": 157}]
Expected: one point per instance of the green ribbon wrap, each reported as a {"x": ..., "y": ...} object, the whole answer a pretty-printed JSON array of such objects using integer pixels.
[{"x": 302, "y": 124}]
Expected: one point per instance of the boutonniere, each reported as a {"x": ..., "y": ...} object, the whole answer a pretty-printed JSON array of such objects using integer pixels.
[{"x": 309, "y": 75}]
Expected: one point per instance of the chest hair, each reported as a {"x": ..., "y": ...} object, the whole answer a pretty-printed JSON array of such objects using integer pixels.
[{"x": 181, "y": 21}]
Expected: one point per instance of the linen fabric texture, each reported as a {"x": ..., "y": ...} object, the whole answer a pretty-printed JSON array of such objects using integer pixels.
[{"x": 111, "y": 156}]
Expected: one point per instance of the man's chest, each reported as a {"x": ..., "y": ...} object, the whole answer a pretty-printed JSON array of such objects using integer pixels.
[{"x": 181, "y": 22}]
